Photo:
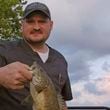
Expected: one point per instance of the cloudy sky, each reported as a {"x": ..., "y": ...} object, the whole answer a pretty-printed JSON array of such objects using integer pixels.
[{"x": 81, "y": 33}]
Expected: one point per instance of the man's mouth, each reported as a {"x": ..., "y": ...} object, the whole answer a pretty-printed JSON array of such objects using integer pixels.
[{"x": 36, "y": 32}]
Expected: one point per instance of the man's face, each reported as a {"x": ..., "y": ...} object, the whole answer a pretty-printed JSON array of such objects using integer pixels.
[{"x": 36, "y": 29}]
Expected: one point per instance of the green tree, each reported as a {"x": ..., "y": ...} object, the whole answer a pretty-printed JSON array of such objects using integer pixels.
[{"x": 10, "y": 15}]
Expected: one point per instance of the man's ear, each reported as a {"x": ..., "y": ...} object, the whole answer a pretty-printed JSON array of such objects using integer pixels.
[{"x": 51, "y": 24}]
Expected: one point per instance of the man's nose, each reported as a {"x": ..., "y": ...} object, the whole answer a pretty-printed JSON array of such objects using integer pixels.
[{"x": 36, "y": 26}]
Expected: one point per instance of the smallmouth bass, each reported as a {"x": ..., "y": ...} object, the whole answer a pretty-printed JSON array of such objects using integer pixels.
[{"x": 43, "y": 92}]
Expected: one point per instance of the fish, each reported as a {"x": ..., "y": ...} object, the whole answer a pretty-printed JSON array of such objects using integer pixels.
[{"x": 43, "y": 92}]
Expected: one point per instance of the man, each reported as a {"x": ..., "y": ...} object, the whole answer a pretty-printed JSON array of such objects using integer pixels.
[{"x": 17, "y": 56}]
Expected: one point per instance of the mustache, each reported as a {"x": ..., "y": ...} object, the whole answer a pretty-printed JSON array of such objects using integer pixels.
[{"x": 36, "y": 30}]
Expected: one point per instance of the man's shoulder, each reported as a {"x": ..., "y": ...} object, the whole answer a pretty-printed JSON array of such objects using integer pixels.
[
  {"x": 8, "y": 44},
  {"x": 57, "y": 53}
]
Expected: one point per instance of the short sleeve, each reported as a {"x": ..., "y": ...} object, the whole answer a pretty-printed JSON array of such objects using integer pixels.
[{"x": 66, "y": 90}]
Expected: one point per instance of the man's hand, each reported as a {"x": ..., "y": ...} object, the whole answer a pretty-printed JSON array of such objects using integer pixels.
[{"x": 15, "y": 75}]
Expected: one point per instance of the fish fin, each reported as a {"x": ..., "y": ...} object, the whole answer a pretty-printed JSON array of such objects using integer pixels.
[
  {"x": 60, "y": 101},
  {"x": 27, "y": 100}
]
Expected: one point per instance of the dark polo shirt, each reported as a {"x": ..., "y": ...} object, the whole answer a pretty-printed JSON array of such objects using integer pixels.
[{"x": 55, "y": 66}]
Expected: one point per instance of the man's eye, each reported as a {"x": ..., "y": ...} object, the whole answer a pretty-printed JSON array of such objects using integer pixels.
[
  {"x": 42, "y": 21},
  {"x": 30, "y": 21}
]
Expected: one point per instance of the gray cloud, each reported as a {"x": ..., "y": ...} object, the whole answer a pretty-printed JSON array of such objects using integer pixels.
[
  {"x": 79, "y": 67},
  {"x": 92, "y": 88},
  {"x": 106, "y": 66},
  {"x": 84, "y": 25}
]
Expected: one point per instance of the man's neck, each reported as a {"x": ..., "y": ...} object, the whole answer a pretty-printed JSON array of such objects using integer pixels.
[{"x": 43, "y": 48}]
